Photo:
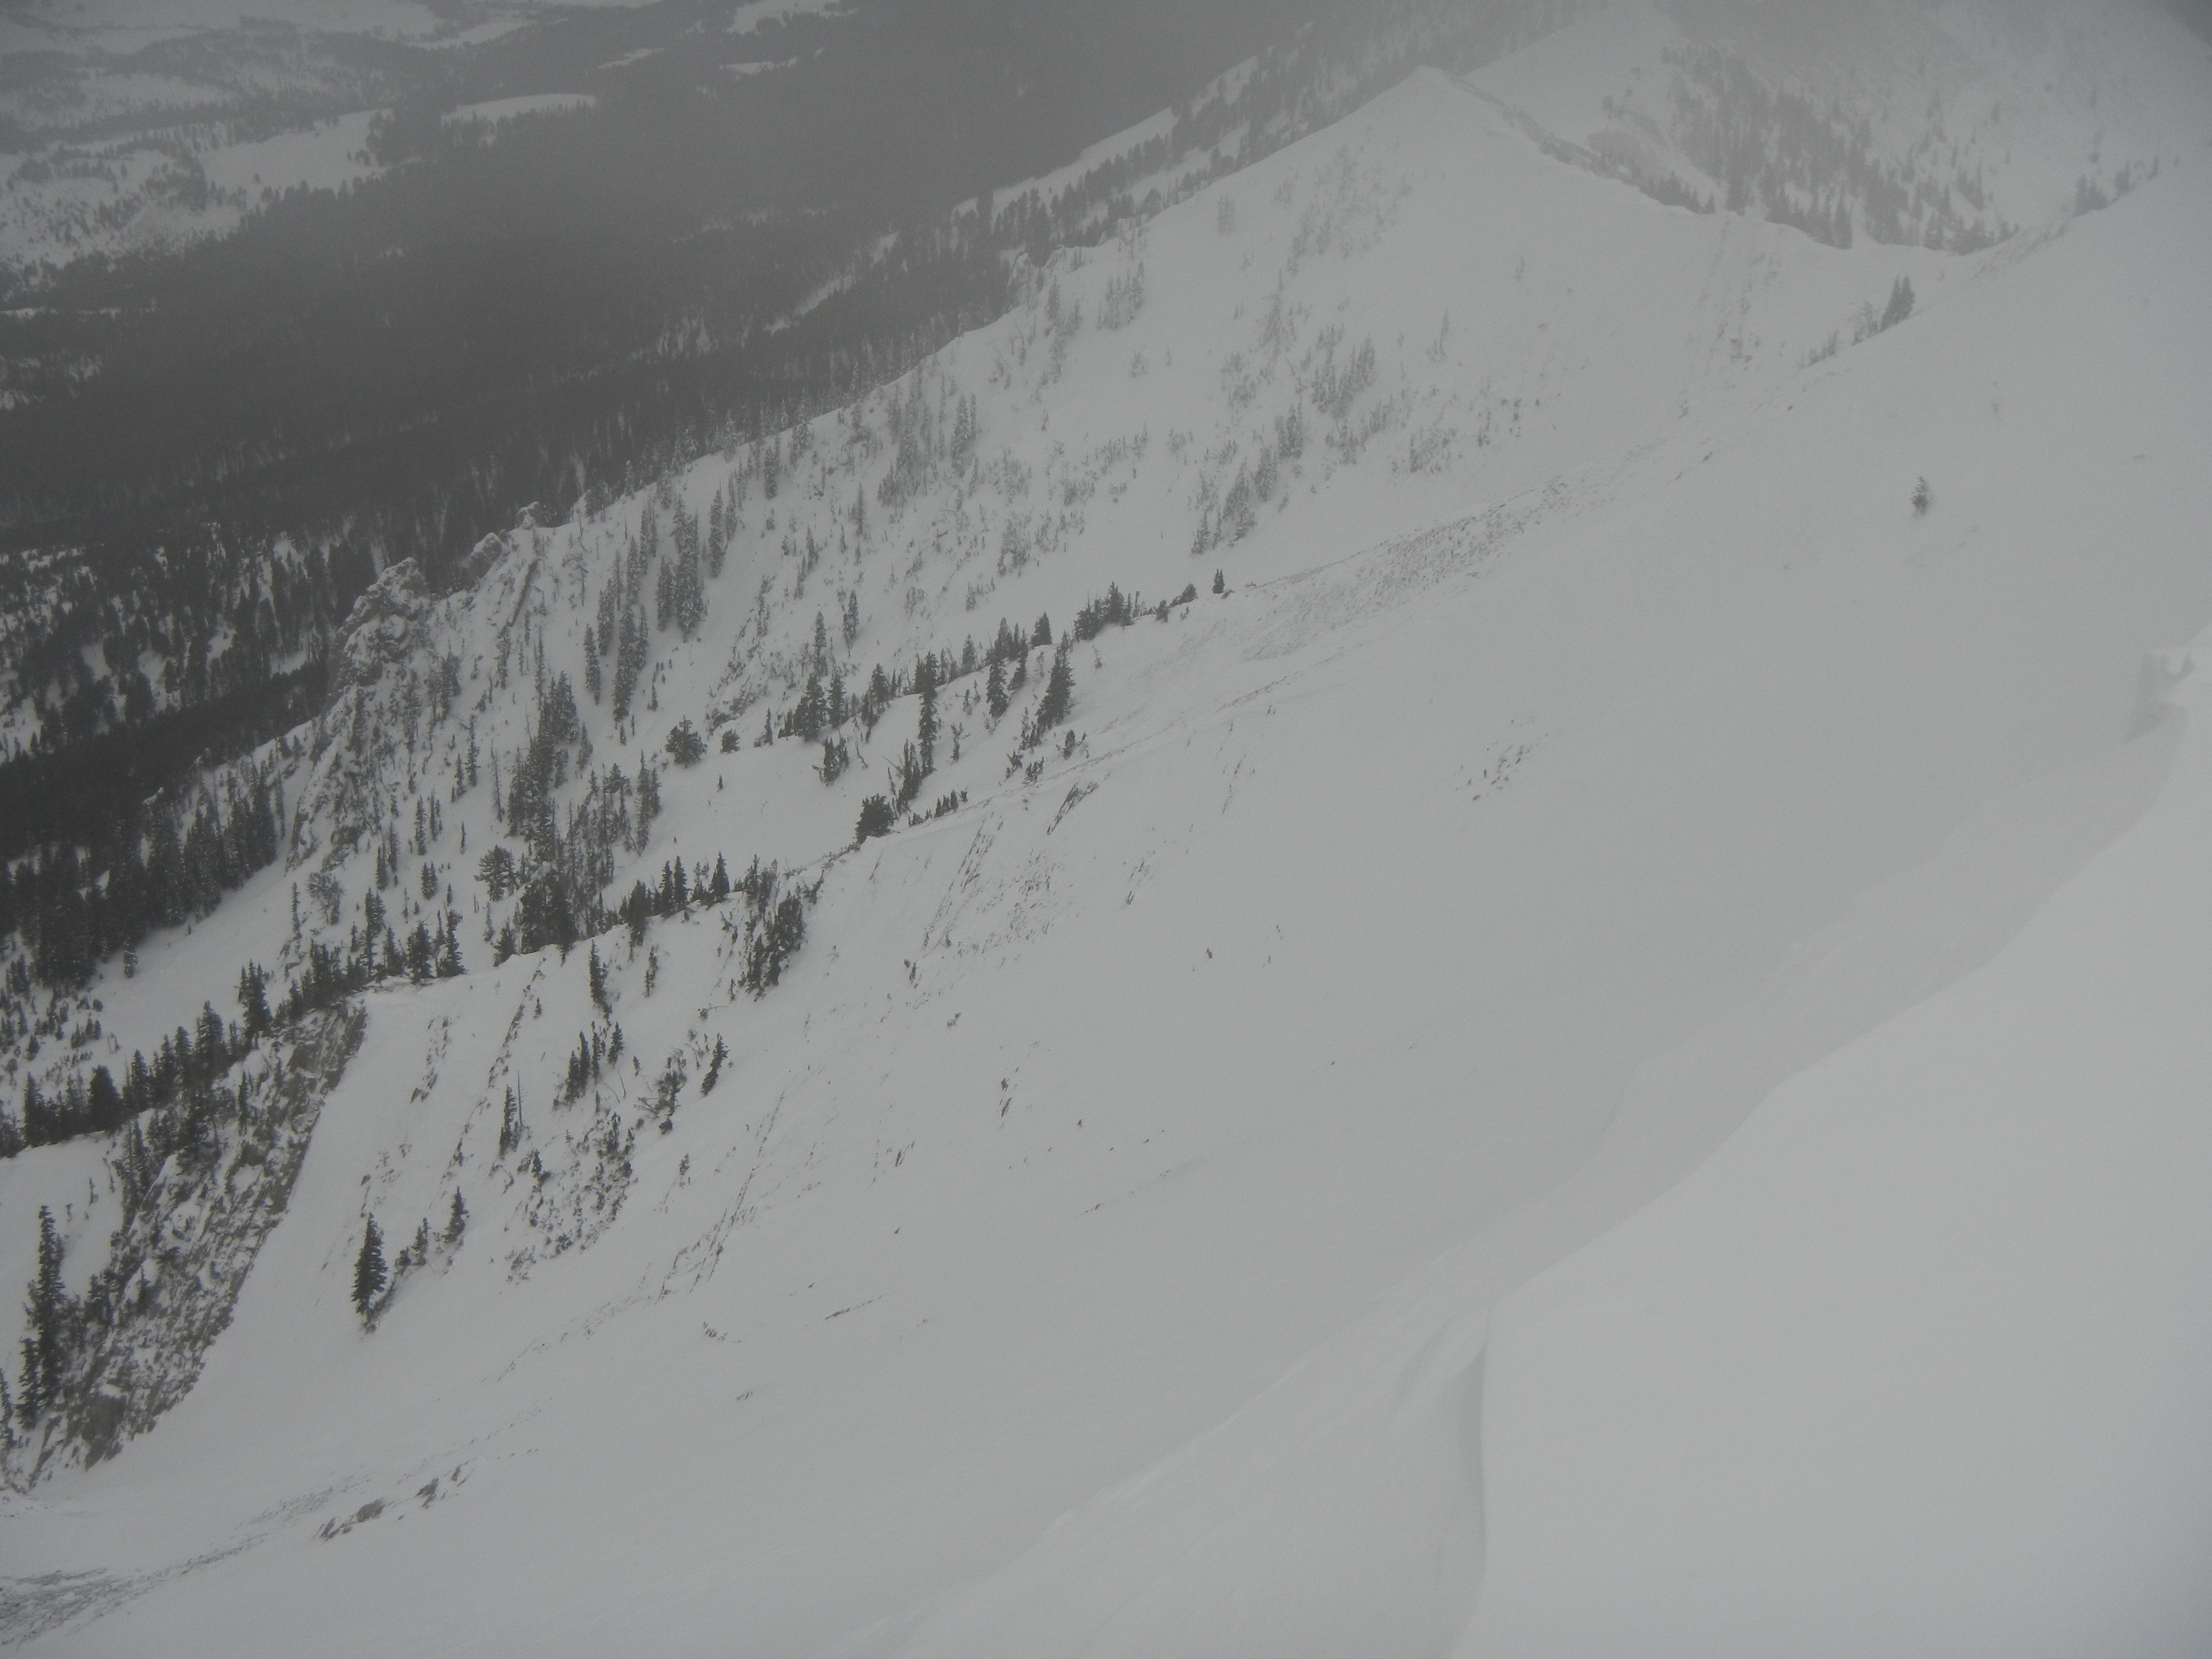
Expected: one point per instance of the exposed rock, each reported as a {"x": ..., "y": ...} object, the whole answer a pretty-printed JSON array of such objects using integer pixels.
[{"x": 380, "y": 630}]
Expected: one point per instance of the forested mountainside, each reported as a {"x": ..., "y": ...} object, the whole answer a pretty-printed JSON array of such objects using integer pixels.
[
  {"x": 210, "y": 452},
  {"x": 1197, "y": 825}
]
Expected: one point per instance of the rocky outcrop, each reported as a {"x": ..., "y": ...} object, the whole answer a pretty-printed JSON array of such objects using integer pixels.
[{"x": 380, "y": 630}]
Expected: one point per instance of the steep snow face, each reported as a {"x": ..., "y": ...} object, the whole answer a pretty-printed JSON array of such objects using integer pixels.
[
  {"x": 1581, "y": 748},
  {"x": 1919, "y": 1362},
  {"x": 1838, "y": 1337}
]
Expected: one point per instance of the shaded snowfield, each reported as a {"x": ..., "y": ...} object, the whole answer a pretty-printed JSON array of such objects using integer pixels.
[{"x": 1217, "y": 1199}]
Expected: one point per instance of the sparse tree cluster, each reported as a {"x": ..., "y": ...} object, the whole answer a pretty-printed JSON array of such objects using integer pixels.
[{"x": 181, "y": 1077}]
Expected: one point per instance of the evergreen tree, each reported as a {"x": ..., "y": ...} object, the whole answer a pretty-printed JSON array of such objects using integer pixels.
[
  {"x": 46, "y": 1325},
  {"x": 211, "y": 1051},
  {"x": 718, "y": 535},
  {"x": 648, "y": 802},
  {"x": 775, "y": 944},
  {"x": 254, "y": 1000},
  {"x": 926, "y": 735},
  {"x": 809, "y": 717},
  {"x": 103, "y": 1102},
  {"x": 1059, "y": 697},
  {"x": 876, "y": 818},
  {"x": 1900, "y": 303},
  {"x": 495, "y": 869},
  {"x": 629, "y": 660},
  {"x": 370, "y": 1277},
  {"x": 684, "y": 745}
]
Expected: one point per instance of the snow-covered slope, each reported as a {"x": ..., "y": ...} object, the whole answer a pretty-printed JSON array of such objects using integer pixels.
[
  {"x": 1592, "y": 737},
  {"x": 1919, "y": 1362}
]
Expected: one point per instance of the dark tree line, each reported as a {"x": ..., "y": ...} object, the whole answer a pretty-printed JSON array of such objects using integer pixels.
[{"x": 169, "y": 865}]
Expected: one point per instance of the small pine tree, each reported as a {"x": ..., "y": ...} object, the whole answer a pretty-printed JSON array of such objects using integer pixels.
[
  {"x": 927, "y": 726},
  {"x": 1220, "y": 583},
  {"x": 370, "y": 1277},
  {"x": 910, "y": 776},
  {"x": 495, "y": 869},
  {"x": 1900, "y": 303},
  {"x": 684, "y": 745},
  {"x": 1922, "y": 499},
  {"x": 457, "y": 1219},
  {"x": 1059, "y": 697},
  {"x": 598, "y": 975},
  {"x": 103, "y": 1101},
  {"x": 253, "y": 998},
  {"x": 876, "y": 818}
]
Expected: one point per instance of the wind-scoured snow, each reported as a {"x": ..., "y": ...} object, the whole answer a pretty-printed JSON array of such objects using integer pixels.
[{"x": 1324, "y": 1164}]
